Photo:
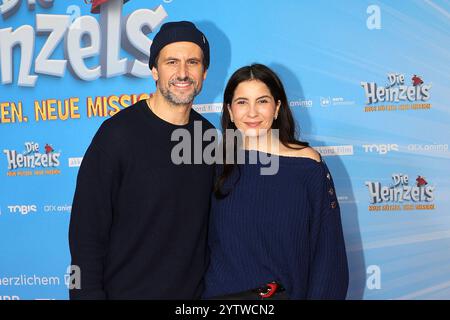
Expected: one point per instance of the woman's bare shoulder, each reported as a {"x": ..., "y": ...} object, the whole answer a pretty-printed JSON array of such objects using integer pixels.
[{"x": 306, "y": 152}]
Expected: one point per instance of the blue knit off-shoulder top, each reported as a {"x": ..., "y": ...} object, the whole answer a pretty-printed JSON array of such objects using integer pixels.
[{"x": 283, "y": 227}]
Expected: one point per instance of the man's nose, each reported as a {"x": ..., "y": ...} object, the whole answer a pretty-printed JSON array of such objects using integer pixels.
[{"x": 182, "y": 71}]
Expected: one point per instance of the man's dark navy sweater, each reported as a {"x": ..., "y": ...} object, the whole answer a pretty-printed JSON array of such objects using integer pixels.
[{"x": 139, "y": 222}]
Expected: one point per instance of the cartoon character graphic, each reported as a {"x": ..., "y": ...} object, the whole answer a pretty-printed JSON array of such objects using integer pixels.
[
  {"x": 421, "y": 181},
  {"x": 417, "y": 81},
  {"x": 97, "y": 3},
  {"x": 48, "y": 148}
]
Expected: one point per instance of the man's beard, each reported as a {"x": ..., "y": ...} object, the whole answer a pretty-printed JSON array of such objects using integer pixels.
[{"x": 176, "y": 100}]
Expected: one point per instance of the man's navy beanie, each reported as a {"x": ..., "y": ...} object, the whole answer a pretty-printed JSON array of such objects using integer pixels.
[{"x": 175, "y": 32}]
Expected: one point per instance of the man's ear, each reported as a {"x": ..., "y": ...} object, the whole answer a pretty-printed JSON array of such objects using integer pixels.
[
  {"x": 155, "y": 74},
  {"x": 204, "y": 74}
]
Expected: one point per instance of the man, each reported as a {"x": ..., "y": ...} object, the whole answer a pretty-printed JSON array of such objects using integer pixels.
[{"x": 139, "y": 221}]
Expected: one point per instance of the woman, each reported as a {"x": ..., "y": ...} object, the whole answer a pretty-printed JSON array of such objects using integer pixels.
[{"x": 279, "y": 235}]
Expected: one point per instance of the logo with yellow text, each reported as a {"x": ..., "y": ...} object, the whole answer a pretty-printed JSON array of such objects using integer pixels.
[
  {"x": 401, "y": 93},
  {"x": 402, "y": 194},
  {"x": 33, "y": 160}
]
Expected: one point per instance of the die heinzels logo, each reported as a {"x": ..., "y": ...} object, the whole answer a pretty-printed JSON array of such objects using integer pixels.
[
  {"x": 32, "y": 162},
  {"x": 401, "y": 195},
  {"x": 401, "y": 93}
]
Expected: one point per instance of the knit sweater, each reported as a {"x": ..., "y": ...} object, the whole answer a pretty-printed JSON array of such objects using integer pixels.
[
  {"x": 139, "y": 222},
  {"x": 284, "y": 227}
]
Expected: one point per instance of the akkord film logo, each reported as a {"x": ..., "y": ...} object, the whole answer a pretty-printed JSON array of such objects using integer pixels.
[
  {"x": 32, "y": 161},
  {"x": 401, "y": 93},
  {"x": 402, "y": 194}
]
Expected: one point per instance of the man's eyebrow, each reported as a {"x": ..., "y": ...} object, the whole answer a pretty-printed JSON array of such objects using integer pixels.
[
  {"x": 174, "y": 58},
  {"x": 171, "y": 58}
]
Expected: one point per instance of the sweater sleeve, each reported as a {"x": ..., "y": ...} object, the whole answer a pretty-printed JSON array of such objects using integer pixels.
[
  {"x": 91, "y": 217},
  {"x": 328, "y": 274}
]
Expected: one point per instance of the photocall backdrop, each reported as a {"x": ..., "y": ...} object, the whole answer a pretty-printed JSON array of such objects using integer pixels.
[{"x": 367, "y": 81}]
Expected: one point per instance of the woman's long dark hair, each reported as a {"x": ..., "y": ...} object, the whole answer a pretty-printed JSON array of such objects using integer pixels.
[{"x": 284, "y": 123}]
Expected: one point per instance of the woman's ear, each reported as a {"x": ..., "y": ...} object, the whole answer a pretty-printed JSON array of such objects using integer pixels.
[
  {"x": 277, "y": 109},
  {"x": 230, "y": 112}
]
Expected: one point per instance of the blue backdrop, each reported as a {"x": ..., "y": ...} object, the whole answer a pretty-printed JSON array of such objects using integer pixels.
[{"x": 367, "y": 82}]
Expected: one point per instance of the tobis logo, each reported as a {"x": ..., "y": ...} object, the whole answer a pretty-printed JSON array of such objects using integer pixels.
[
  {"x": 380, "y": 148},
  {"x": 22, "y": 209}
]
